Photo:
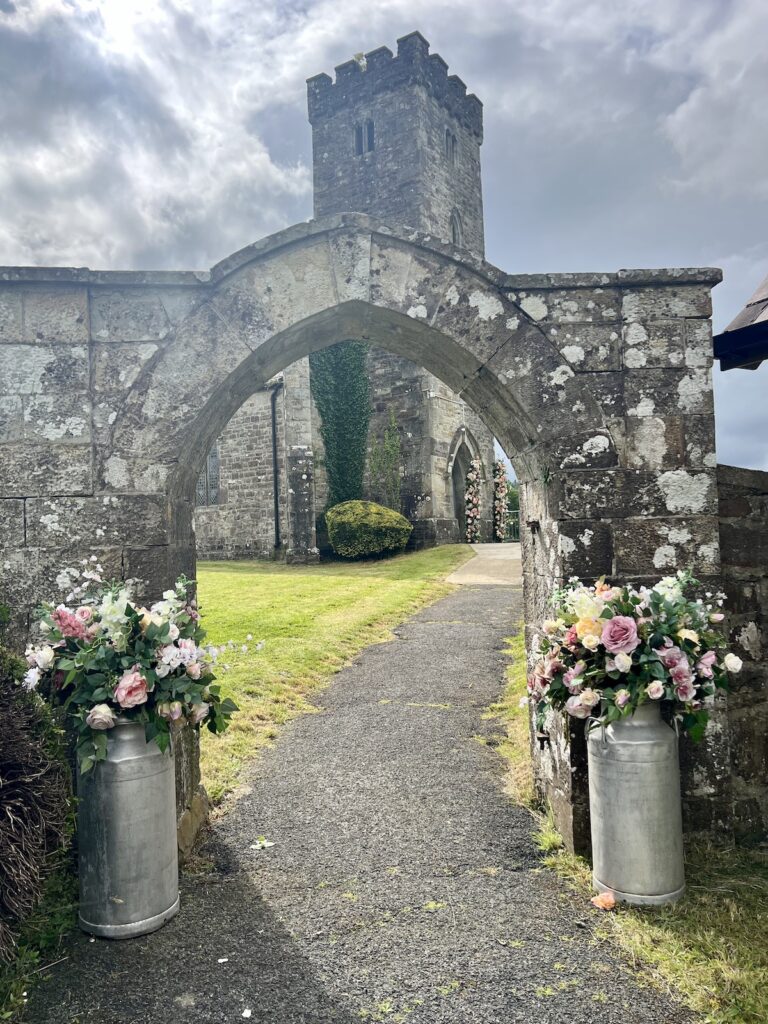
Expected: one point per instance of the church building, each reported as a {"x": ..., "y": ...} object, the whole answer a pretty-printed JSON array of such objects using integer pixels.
[{"x": 397, "y": 138}]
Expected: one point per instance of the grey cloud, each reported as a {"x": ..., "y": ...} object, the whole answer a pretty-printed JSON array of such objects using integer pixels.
[{"x": 616, "y": 135}]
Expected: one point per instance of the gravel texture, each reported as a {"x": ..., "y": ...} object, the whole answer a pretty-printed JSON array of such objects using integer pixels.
[{"x": 402, "y": 884}]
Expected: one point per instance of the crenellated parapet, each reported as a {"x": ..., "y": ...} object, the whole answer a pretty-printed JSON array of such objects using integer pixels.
[{"x": 381, "y": 71}]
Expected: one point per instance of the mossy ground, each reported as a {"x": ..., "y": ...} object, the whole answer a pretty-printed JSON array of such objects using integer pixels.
[
  {"x": 711, "y": 949},
  {"x": 312, "y": 620}
]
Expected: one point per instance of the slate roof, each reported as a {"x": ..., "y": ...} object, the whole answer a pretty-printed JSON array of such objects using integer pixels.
[{"x": 744, "y": 342}]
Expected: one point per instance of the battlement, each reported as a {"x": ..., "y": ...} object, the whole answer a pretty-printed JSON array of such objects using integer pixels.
[{"x": 381, "y": 71}]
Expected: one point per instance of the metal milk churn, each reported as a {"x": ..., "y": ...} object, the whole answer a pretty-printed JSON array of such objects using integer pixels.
[
  {"x": 634, "y": 800},
  {"x": 126, "y": 822}
]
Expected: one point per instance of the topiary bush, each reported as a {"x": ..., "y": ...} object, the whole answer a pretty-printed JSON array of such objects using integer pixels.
[
  {"x": 362, "y": 529},
  {"x": 34, "y": 798}
]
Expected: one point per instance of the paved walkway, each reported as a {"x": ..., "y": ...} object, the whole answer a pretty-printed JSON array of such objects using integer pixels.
[
  {"x": 402, "y": 884},
  {"x": 496, "y": 565}
]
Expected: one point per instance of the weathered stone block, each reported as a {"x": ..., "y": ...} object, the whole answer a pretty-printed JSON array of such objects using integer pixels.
[
  {"x": 586, "y": 346},
  {"x": 54, "y": 315},
  {"x": 656, "y": 392},
  {"x": 699, "y": 434},
  {"x": 586, "y": 548},
  {"x": 43, "y": 370},
  {"x": 10, "y": 315},
  {"x": 28, "y": 469},
  {"x": 116, "y": 366},
  {"x": 11, "y": 418},
  {"x": 11, "y": 522},
  {"x": 665, "y": 302},
  {"x": 656, "y": 547},
  {"x": 658, "y": 343},
  {"x": 128, "y": 315},
  {"x": 698, "y": 343},
  {"x": 57, "y": 417},
  {"x": 654, "y": 442},
  {"x": 104, "y": 521},
  {"x": 571, "y": 306}
]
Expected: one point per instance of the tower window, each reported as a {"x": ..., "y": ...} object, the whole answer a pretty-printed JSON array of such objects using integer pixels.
[
  {"x": 451, "y": 147},
  {"x": 365, "y": 138},
  {"x": 457, "y": 233}
]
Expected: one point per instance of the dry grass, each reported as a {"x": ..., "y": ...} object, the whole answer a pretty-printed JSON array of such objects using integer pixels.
[
  {"x": 711, "y": 949},
  {"x": 313, "y": 619}
]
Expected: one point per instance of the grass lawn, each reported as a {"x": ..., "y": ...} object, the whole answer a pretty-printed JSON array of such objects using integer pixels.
[
  {"x": 711, "y": 949},
  {"x": 312, "y": 620}
]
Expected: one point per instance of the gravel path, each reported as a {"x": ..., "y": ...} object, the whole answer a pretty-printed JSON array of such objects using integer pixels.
[{"x": 402, "y": 885}]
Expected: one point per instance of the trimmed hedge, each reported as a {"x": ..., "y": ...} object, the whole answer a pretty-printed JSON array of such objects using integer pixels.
[{"x": 362, "y": 529}]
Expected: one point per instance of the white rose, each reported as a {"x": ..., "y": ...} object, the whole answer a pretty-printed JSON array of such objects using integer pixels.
[
  {"x": 162, "y": 670},
  {"x": 173, "y": 631},
  {"x": 623, "y": 662},
  {"x": 655, "y": 690},
  {"x": 101, "y": 716},
  {"x": 589, "y": 698},
  {"x": 44, "y": 657},
  {"x": 732, "y": 662},
  {"x": 591, "y": 641},
  {"x": 32, "y": 678}
]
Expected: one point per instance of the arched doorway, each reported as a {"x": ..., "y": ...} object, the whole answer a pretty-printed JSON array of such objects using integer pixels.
[{"x": 461, "y": 462}]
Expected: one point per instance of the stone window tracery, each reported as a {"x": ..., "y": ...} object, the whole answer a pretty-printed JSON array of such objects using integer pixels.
[
  {"x": 457, "y": 232},
  {"x": 207, "y": 490}
]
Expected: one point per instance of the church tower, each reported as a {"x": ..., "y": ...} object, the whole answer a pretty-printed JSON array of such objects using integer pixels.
[{"x": 399, "y": 138}]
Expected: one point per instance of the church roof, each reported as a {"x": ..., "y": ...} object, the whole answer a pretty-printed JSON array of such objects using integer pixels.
[{"x": 744, "y": 342}]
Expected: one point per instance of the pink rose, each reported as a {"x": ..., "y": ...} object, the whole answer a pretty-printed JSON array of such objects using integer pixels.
[
  {"x": 131, "y": 688},
  {"x": 571, "y": 637},
  {"x": 84, "y": 613},
  {"x": 685, "y": 691},
  {"x": 575, "y": 708},
  {"x": 705, "y": 663},
  {"x": 622, "y": 698},
  {"x": 671, "y": 655},
  {"x": 716, "y": 617},
  {"x": 655, "y": 690},
  {"x": 620, "y": 635},
  {"x": 681, "y": 673},
  {"x": 194, "y": 670}
]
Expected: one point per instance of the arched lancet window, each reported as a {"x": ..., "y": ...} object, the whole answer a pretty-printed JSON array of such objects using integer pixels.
[
  {"x": 369, "y": 136},
  {"x": 359, "y": 140},
  {"x": 451, "y": 147},
  {"x": 457, "y": 233},
  {"x": 207, "y": 491}
]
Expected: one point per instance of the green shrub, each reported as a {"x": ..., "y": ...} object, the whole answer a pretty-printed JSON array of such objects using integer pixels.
[{"x": 361, "y": 529}]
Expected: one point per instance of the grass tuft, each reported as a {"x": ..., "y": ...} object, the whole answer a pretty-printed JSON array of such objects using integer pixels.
[
  {"x": 313, "y": 620},
  {"x": 515, "y": 744}
]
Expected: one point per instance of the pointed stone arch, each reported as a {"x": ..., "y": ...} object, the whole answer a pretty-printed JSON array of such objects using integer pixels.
[{"x": 596, "y": 385}]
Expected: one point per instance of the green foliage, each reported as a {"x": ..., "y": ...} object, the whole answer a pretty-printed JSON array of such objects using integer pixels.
[
  {"x": 341, "y": 392},
  {"x": 386, "y": 466},
  {"x": 361, "y": 529},
  {"x": 34, "y": 799},
  {"x": 513, "y": 495}
]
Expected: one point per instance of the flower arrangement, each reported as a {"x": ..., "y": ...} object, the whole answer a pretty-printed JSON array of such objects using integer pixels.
[
  {"x": 108, "y": 657},
  {"x": 611, "y": 649},
  {"x": 472, "y": 501},
  {"x": 499, "y": 500}
]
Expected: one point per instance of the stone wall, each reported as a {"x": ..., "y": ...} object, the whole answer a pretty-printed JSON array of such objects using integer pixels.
[
  {"x": 598, "y": 386},
  {"x": 743, "y": 503}
]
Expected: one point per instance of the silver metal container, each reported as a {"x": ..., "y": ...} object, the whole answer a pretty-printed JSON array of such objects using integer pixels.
[
  {"x": 126, "y": 822},
  {"x": 634, "y": 801}
]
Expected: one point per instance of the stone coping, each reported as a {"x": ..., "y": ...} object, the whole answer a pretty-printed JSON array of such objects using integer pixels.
[{"x": 298, "y": 233}]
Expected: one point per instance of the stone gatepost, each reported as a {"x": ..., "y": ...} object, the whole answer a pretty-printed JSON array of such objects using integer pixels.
[{"x": 634, "y": 503}]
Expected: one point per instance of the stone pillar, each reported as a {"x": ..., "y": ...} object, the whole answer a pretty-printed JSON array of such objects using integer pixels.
[
  {"x": 301, "y": 542},
  {"x": 634, "y": 502}
]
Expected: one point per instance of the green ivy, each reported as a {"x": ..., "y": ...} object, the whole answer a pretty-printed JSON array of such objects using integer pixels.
[{"x": 341, "y": 392}]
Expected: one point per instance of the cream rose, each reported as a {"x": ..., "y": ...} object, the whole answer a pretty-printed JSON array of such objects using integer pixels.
[
  {"x": 732, "y": 662},
  {"x": 101, "y": 716}
]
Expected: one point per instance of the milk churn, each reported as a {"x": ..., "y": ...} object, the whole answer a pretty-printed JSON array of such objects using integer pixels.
[
  {"x": 126, "y": 821},
  {"x": 634, "y": 800}
]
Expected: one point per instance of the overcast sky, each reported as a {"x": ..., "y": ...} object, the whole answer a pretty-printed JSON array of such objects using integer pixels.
[{"x": 152, "y": 134}]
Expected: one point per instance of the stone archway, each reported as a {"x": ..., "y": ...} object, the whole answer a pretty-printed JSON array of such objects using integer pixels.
[{"x": 597, "y": 386}]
